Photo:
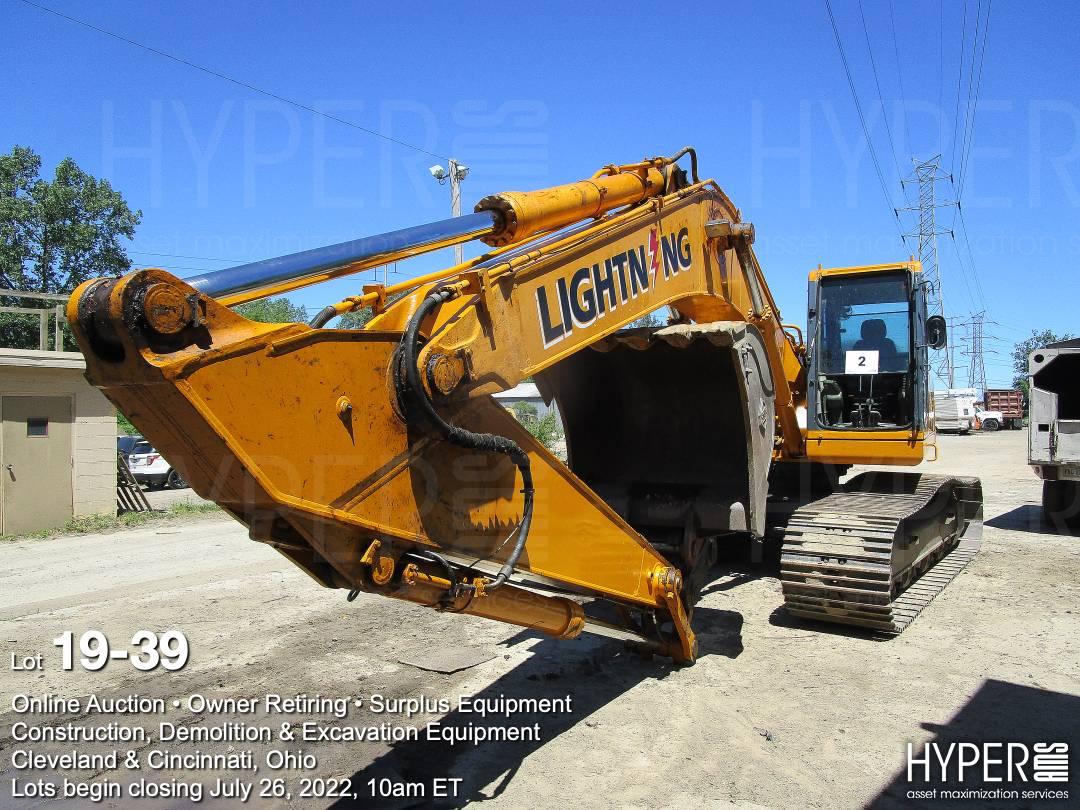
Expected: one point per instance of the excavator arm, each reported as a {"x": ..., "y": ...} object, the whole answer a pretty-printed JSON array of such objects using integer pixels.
[{"x": 377, "y": 459}]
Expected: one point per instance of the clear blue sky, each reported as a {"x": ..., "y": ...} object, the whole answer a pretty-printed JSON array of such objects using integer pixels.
[{"x": 530, "y": 95}]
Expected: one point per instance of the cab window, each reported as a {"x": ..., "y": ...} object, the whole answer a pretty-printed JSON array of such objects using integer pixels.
[
  {"x": 869, "y": 313},
  {"x": 864, "y": 354}
]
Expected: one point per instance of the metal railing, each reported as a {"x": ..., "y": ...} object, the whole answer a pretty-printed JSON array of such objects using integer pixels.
[{"x": 53, "y": 312}]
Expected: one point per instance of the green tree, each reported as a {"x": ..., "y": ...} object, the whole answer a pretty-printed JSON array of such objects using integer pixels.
[
  {"x": 357, "y": 319},
  {"x": 54, "y": 235},
  {"x": 57, "y": 234},
  {"x": 1025, "y": 347},
  {"x": 649, "y": 319},
  {"x": 273, "y": 310},
  {"x": 546, "y": 429},
  {"x": 123, "y": 425}
]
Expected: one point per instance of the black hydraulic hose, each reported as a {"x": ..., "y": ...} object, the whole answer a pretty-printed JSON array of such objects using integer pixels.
[
  {"x": 417, "y": 403},
  {"x": 456, "y": 588},
  {"x": 688, "y": 150},
  {"x": 326, "y": 314}
]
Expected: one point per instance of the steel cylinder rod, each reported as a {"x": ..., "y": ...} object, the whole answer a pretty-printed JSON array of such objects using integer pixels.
[{"x": 246, "y": 282}]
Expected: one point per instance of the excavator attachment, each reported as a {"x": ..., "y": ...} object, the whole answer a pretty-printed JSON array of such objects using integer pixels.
[{"x": 673, "y": 427}]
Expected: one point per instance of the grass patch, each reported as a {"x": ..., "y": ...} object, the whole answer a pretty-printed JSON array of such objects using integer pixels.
[{"x": 99, "y": 524}]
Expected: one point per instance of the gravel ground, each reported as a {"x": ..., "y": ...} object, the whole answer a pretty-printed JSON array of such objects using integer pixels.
[
  {"x": 775, "y": 713},
  {"x": 164, "y": 498}
]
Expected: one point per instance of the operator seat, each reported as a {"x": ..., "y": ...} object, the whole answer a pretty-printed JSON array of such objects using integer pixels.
[{"x": 874, "y": 338}]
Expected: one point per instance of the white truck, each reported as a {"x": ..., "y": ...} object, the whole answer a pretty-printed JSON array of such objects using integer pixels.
[
  {"x": 954, "y": 410},
  {"x": 1054, "y": 428},
  {"x": 988, "y": 420}
]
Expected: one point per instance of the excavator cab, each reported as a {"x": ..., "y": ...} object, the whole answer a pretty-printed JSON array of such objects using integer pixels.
[
  {"x": 868, "y": 358},
  {"x": 874, "y": 552}
]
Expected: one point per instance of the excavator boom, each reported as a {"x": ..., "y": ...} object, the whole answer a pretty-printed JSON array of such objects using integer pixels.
[{"x": 377, "y": 460}]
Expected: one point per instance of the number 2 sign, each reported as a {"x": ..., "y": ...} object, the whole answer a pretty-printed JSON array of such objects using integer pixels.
[{"x": 861, "y": 362}]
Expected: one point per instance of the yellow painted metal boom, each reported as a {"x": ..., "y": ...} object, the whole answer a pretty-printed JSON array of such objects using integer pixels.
[{"x": 377, "y": 459}]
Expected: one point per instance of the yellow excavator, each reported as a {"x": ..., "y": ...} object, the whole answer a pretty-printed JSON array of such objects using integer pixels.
[{"x": 377, "y": 459}]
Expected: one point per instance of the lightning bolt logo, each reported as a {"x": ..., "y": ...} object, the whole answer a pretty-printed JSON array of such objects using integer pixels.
[{"x": 654, "y": 256}]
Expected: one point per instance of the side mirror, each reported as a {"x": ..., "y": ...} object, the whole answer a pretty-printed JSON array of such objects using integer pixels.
[{"x": 936, "y": 332}]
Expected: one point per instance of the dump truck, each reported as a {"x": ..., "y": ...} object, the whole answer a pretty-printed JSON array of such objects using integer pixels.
[
  {"x": 377, "y": 459},
  {"x": 1054, "y": 428},
  {"x": 1008, "y": 403}
]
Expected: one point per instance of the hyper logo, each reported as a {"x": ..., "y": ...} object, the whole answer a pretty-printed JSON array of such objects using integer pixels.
[
  {"x": 994, "y": 762},
  {"x": 592, "y": 292}
]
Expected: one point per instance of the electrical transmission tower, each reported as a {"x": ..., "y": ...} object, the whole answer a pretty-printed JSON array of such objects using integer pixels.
[
  {"x": 977, "y": 374},
  {"x": 925, "y": 175},
  {"x": 955, "y": 326}
]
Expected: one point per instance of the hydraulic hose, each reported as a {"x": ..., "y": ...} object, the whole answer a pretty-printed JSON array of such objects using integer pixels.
[
  {"x": 326, "y": 314},
  {"x": 417, "y": 404},
  {"x": 688, "y": 150}
]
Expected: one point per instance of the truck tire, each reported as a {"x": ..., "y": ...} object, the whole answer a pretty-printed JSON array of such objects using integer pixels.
[
  {"x": 990, "y": 425},
  {"x": 1061, "y": 503}
]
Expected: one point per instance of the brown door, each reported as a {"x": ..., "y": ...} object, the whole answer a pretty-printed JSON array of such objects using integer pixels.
[{"x": 35, "y": 463}]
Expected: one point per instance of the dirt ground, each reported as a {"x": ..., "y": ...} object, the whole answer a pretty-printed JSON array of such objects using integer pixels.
[
  {"x": 774, "y": 714},
  {"x": 164, "y": 498}
]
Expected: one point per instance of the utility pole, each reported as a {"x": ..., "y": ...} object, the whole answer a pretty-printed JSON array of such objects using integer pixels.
[
  {"x": 455, "y": 205},
  {"x": 925, "y": 175},
  {"x": 455, "y": 173}
]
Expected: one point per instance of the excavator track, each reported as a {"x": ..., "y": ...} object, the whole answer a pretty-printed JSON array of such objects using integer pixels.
[{"x": 877, "y": 553}]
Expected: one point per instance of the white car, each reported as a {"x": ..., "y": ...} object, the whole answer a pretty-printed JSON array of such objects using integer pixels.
[{"x": 149, "y": 467}]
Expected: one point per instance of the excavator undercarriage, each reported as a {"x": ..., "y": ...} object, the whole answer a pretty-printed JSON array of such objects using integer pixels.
[{"x": 875, "y": 553}]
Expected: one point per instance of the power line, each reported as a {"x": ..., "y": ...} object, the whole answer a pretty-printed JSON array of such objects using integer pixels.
[
  {"x": 144, "y": 266},
  {"x": 862, "y": 118},
  {"x": 881, "y": 97},
  {"x": 959, "y": 81},
  {"x": 1013, "y": 328},
  {"x": 183, "y": 256},
  {"x": 899, "y": 73},
  {"x": 974, "y": 109},
  {"x": 238, "y": 82},
  {"x": 970, "y": 83},
  {"x": 963, "y": 270},
  {"x": 941, "y": 64},
  {"x": 971, "y": 253}
]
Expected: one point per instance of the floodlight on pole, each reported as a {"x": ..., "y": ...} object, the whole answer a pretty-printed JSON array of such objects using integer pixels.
[{"x": 455, "y": 173}]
